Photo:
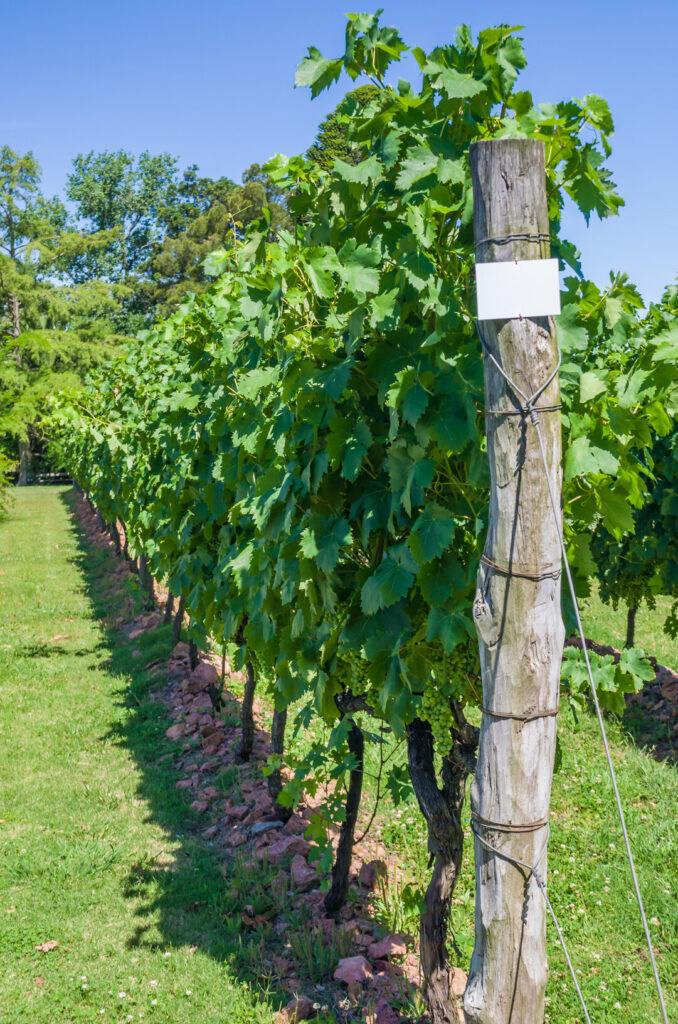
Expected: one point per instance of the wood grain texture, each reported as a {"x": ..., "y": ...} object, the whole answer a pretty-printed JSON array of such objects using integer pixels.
[{"x": 518, "y": 620}]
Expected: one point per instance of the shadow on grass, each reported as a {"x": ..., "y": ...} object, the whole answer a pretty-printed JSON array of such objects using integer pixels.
[{"x": 188, "y": 902}]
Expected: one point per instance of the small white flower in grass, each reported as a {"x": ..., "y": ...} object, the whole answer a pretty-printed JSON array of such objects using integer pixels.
[
  {"x": 166, "y": 954},
  {"x": 617, "y": 1006},
  {"x": 581, "y": 911},
  {"x": 84, "y": 987},
  {"x": 154, "y": 1002},
  {"x": 654, "y": 920},
  {"x": 121, "y": 995},
  {"x": 153, "y": 982},
  {"x": 83, "y": 977},
  {"x": 599, "y": 903},
  {"x": 189, "y": 992}
]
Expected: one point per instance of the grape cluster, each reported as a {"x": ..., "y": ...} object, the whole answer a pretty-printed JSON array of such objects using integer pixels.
[
  {"x": 448, "y": 676},
  {"x": 349, "y": 669}
]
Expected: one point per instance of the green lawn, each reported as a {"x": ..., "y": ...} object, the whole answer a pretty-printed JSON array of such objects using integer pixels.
[
  {"x": 100, "y": 852},
  {"x": 86, "y": 859}
]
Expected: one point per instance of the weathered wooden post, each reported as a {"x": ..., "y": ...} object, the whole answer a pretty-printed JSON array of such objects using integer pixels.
[{"x": 517, "y": 608}]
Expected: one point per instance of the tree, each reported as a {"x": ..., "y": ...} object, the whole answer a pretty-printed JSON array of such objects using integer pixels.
[
  {"x": 204, "y": 216},
  {"x": 38, "y": 355},
  {"x": 124, "y": 199},
  {"x": 332, "y": 142}
]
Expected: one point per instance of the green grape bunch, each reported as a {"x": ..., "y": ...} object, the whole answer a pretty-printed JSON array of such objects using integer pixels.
[{"x": 448, "y": 677}]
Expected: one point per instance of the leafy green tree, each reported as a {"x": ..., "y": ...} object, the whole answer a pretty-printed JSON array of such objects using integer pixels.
[
  {"x": 49, "y": 334},
  {"x": 332, "y": 141},
  {"x": 205, "y": 216}
]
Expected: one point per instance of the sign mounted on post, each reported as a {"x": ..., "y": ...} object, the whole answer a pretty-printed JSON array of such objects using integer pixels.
[{"x": 516, "y": 288}]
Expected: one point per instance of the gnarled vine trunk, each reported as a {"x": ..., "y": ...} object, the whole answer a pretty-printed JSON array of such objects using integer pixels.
[
  {"x": 178, "y": 622},
  {"x": 146, "y": 582},
  {"x": 336, "y": 897},
  {"x": 442, "y": 808},
  {"x": 247, "y": 715},
  {"x": 274, "y": 781},
  {"x": 115, "y": 536},
  {"x": 631, "y": 626}
]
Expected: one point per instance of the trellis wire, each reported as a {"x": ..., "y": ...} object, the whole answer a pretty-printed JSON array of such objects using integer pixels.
[{"x": 529, "y": 411}]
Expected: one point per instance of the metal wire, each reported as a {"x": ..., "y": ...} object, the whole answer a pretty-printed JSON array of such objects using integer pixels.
[
  {"x": 531, "y": 413},
  {"x": 517, "y": 236},
  {"x": 531, "y": 717}
]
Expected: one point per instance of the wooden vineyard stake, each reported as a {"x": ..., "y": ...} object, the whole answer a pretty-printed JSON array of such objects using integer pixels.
[{"x": 517, "y": 608}]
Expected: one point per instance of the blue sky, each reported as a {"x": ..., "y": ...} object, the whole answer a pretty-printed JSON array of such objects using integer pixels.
[{"x": 212, "y": 83}]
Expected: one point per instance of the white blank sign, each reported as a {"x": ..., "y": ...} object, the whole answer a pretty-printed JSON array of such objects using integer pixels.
[{"x": 511, "y": 289}]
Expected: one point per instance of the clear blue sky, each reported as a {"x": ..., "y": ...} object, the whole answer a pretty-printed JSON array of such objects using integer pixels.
[{"x": 212, "y": 83}]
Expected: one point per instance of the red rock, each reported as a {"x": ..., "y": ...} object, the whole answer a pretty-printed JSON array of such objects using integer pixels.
[
  {"x": 199, "y": 806},
  {"x": 459, "y": 979},
  {"x": 236, "y": 839},
  {"x": 295, "y": 826},
  {"x": 212, "y": 741},
  {"x": 208, "y": 728},
  {"x": 390, "y": 945},
  {"x": 184, "y": 784},
  {"x": 210, "y": 792},
  {"x": 286, "y": 847},
  {"x": 210, "y": 832},
  {"x": 371, "y": 872},
  {"x": 205, "y": 674},
  {"x": 175, "y": 732},
  {"x": 237, "y": 813},
  {"x": 298, "y": 1009},
  {"x": 353, "y": 969},
  {"x": 303, "y": 877}
]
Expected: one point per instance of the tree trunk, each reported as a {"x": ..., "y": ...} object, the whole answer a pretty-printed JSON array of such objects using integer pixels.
[
  {"x": 101, "y": 523},
  {"x": 146, "y": 582},
  {"x": 115, "y": 536},
  {"x": 25, "y": 463},
  {"x": 442, "y": 809},
  {"x": 169, "y": 608},
  {"x": 631, "y": 626},
  {"x": 274, "y": 781},
  {"x": 247, "y": 715},
  {"x": 336, "y": 897},
  {"x": 516, "y": 610},
  {"x": 178, "y": 622},
  {"x": 193, "y": 654}
]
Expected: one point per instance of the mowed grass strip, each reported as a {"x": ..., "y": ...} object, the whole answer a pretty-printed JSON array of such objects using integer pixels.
[{"x": 97, "y": 848}]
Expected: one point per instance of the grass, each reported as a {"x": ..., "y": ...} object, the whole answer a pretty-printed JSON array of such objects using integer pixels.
[
  {"x": 100, "y": 852},
  {"x": 87, "y": 859}
]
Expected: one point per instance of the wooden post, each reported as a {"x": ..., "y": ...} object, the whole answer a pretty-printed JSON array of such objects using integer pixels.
[{"x": 517, "y": 617}]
